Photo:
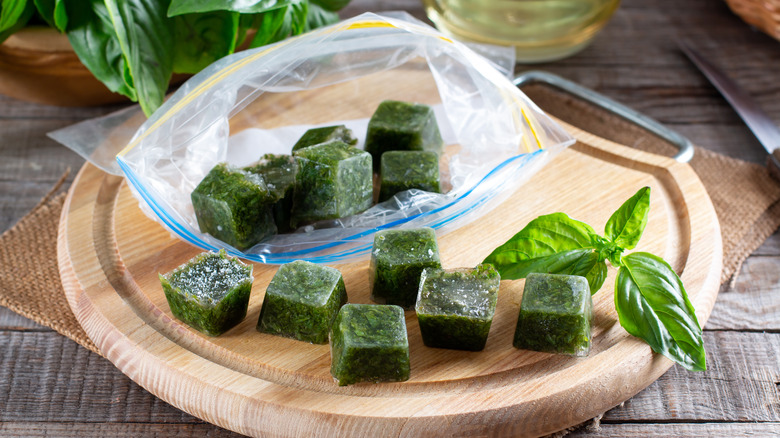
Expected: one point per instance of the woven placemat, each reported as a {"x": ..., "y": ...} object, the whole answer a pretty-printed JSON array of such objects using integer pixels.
[
  {"x": 29, "y": 274},
  {"x": 746, "y": 203}
]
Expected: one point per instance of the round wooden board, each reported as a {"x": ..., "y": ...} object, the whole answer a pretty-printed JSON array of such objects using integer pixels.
[{"x": 257, "y": 384}]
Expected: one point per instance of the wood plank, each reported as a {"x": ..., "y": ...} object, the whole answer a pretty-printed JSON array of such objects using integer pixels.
[
  {"x": 12, "y": 321},
  {"x": 753, "y": 304},
  {"x": 114, "y": 430},
  {"x": 740, "y": 385},
  {"x": 31, "y": 164},
  {"x": 49, "y": 378},
  {"x": 604, "y": 430},
  {"x": 11, "y": 108},
  {"x": 666, "y": 430},
  {"x": 771, "y": 247},
  {"x": 29, "y": 155},
  {"x": 17, "y": 199}
]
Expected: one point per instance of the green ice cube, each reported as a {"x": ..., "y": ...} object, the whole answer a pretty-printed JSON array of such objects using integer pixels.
[
  {"x": 368, "y": 343},
  {"x": 556, "y": 314}
]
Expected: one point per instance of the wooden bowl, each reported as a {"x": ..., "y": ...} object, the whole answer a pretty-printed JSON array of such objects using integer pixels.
[{"x": 37, "y": 64}]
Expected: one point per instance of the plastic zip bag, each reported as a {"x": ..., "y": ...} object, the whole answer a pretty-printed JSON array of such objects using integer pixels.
[{"x": 260, "y": 101}]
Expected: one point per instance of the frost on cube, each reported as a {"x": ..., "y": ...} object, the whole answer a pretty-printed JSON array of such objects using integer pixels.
[
  {"x": 402, "y": 126},
  {"x": 210, "y": 292},
  {"x": 455, "y": 307},
  {"x": 234, "y": 206},
  {"x": 278, "y": 172},
  {"x": 368, "y": 343},
  {"x": 302, "y": 301},
  {"x": 404, "y": 170},
  {"x": 556, "y": 315},
  {"x": 398, "y": 257},
  {"x": 325, "y": 134},
  {"x": 334, "y": 180}
]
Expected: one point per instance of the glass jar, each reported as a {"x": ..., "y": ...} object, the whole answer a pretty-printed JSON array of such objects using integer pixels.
[{"x": 540, "y": 30}]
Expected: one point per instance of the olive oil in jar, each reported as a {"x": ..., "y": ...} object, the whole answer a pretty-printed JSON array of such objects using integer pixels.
[{"x": 540, "y": 30}]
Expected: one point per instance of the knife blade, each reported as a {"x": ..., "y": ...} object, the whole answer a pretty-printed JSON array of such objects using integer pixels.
[{"x": 762, "y": 126}]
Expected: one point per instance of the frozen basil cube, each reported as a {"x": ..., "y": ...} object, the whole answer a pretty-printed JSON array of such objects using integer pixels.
[
  {"x": 325, "y": 134},
  {"x": 278, "y": 172},
  {"x": 334, "y": 180},
  {"x": 404, "y": 170},
  {"x": 402, "y": 126},
  {"x": 234, "y": 206},
  {"x": 556, "y": 314},
  {"x": 302, "y": 301},
  {"x": 368, "y": 343},
  {"x": 455, "y": 307},
  {"x": 210, "y": 292},
  {"x": 398, "y": 257}
]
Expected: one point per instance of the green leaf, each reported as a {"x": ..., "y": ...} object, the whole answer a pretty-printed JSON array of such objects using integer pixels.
[
  {"x": 245, "y": 23},
  {"x": 281, "y": 23},
  {"x": 145, "y": 35},
  {"x": 652, "y": 304},
  {"x": 596, "y": 275},
  {"x": 583, "y": 262},
  {"x": 319, "y": 17},
  {"x": 14, "y": 14},
  {"x": 331, "y": 5},
  {"x": 201, "y": 39},
  {"x": 627, "y": 223},
  {"x": 179, "y": 7},
  {"x": 11, "y": 12},
  {"x": 54, "y": 13},
  {"x": 91, "y": 33},
  {"x": 542, "y": 237}
]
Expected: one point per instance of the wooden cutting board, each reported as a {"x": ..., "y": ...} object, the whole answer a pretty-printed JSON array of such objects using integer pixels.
[{"x": 110, "y": 254}]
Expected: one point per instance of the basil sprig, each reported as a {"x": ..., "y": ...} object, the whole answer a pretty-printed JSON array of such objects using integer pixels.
[{"x": 650, "y": 299}]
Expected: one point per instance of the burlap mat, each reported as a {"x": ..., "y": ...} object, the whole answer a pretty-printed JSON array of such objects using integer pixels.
[
  {"x": 744, "y": 195},
  {"x": 29, "y": 276}
]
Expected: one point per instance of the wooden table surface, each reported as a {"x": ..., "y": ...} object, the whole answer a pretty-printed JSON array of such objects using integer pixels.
[{"x": 50, "y": 386}]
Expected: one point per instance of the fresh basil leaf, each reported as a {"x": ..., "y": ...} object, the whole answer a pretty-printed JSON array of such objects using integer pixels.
[
  {"x": 11, "y": 12},
  {"x": 281, "y": 23},
  {"x": 245, "y": 23},
  {"x": 145, "y": 36},
  {"x": 596, "y": 275},
  {"x": 331, "y": 5},
  {"x": 179, "y": 7},
  {"x": 582, "y": 262},
  {"x": 53, "y": 12},
  {"x": 616, "y": 257},
  {"x": 270, "y": 25},
  {"x": 542, "y": 237},
  {"x": 319, "y": 17},
  {"x": 92, "y": 36},
  {"x": 627, "y": 223},
  {"x": 652, "y": 304},
  {"x": 14, "y": 14},
  {"x": 201, "y": 39}
]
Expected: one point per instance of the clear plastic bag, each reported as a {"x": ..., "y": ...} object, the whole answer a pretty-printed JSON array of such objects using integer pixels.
[{"x": 260, "y": 101}]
